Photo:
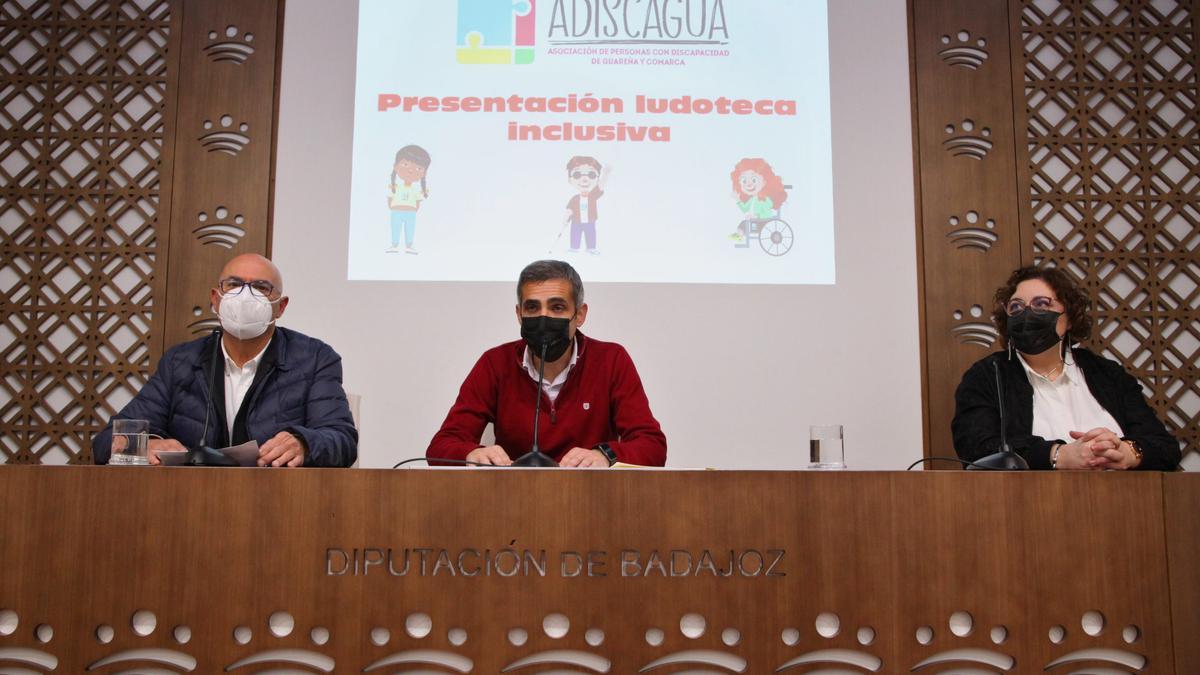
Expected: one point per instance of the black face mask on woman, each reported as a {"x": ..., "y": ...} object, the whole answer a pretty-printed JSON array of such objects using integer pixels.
[
  {"x": 1033, "y": 332},
  {"x": 550, "y": 332}
]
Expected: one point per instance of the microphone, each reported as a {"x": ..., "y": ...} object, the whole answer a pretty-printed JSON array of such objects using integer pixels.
[
  {"x": 202, "y": 454},
  {"x": 535, "y": 457},
  {"x": 1006, "y": 459}
]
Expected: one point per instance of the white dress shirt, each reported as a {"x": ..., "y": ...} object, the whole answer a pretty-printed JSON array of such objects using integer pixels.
[
  {"x": 552, "y": 388},
  {"x": 237, "y": 383},
  {"x": 1066, "y": 404}
]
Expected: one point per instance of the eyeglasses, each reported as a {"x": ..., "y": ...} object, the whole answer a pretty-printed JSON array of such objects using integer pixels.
[
  {"x": 1040, "y": 305},
  {"x": 234, "y": 285},
  {"x": 584, "y": 174}
]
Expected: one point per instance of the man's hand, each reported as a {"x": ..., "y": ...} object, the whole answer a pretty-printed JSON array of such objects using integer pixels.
[
  {"x": 492, "y": 454},
  {"x": 282, "y": 449},
  {"x": 584, "y": 458},
  {"x": 157, "y": 445}
]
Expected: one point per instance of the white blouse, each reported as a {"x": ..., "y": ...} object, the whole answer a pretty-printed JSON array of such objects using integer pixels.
[{"x": 1066, "y": 404}]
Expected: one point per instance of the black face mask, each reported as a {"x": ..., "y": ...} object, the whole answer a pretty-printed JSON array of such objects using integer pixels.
[
  {"x": 1033, "y": 332},
  {"x": 548, "y": 332}
]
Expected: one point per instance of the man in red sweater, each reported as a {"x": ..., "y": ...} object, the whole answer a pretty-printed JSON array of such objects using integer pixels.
[{"x": 594, "y": 411}]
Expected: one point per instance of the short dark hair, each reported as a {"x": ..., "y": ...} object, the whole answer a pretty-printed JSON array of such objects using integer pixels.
[
  {"x": 1076, "y": 302},
  {"x": 545, "y": 270},
  {"x": 581, "y": 160}
]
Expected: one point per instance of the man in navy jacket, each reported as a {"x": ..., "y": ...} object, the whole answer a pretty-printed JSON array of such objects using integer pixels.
[{"x": 250, "y": 381}]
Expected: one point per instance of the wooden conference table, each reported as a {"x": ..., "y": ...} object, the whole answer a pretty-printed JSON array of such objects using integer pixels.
[{"x": 120, "y": 569}]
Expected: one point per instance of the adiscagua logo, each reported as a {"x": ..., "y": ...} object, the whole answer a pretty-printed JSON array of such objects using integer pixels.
[
  {"x": 638, "y": 21},
  {"x": 496, "y": 31}
]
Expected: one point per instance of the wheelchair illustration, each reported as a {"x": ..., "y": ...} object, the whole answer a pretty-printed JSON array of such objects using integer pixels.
[{"x": 774, "y": 234}]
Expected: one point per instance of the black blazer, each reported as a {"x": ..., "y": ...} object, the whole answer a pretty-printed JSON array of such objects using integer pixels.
[{"x": 976, "y": 425}]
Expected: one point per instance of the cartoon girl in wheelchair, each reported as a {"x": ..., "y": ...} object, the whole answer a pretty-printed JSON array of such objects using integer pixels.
[{"x": 759, "y": 194}]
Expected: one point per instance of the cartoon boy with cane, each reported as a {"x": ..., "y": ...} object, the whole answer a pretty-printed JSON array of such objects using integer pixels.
[{"x": 588, "y": 178}]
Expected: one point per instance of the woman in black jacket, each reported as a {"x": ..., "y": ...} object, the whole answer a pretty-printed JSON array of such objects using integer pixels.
[{"x": 1066, "y": 407}]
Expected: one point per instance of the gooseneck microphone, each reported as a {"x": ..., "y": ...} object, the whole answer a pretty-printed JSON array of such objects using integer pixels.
[
  {"x": 1006, "y": 459},
  {"x": 212, "y": 382},
  {"x": 535, "y": 457},
  {"x": 202, "y": 454}
]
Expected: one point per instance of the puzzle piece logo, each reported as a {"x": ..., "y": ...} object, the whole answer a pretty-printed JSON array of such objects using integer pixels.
[{"x": 495, "y": 31}]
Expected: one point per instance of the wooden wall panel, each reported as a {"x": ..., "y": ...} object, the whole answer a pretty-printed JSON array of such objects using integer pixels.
[
  {"x": 226, "y": 113},
  {"x": 969, "y": 230},
  {"x": 867, "y": 567},
  {"x": 1181, "y": 502},
  {"x": 1011, "y": 551}
]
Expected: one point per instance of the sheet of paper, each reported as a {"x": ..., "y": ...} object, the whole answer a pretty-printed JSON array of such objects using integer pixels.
[{"x": 245, "y": 454}]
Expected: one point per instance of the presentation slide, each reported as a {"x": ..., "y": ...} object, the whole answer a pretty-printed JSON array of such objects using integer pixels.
[{"x": 678, "y": 141}]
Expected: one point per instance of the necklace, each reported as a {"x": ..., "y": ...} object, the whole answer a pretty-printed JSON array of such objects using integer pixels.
[{"x": 1053, "y": 371}]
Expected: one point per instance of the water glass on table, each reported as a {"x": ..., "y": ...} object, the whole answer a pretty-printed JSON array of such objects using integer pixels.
[
  {"x": 825, "y": 447},
  {"x": 130, "y": 440}
]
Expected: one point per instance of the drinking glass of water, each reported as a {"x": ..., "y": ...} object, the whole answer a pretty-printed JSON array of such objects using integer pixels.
[
  {"x": 825, "y": 447},
  {"x": 130, "y": 439}
]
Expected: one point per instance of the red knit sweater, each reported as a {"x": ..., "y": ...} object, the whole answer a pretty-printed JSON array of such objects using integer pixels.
[{"x": 601, "y": 401}]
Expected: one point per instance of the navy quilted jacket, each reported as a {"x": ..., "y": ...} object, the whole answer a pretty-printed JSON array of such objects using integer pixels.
[{"x": 301, "y": 393}]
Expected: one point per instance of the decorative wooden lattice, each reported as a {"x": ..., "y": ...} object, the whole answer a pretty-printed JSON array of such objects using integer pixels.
[
  {"x": 82, "y": 105},
  {"x": 1114, "y": 166}
]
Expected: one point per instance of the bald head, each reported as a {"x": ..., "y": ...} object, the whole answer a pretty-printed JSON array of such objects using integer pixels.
[{"x": 253, "y": 267}]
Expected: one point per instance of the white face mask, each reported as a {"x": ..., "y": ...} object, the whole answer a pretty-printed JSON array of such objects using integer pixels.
[{"x": 246, "y": 315}]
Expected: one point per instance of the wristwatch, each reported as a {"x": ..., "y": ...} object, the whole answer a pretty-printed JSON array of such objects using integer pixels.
[
  {"x": 608, "y": 452},
  {"x": 1137, "y": 449}
]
